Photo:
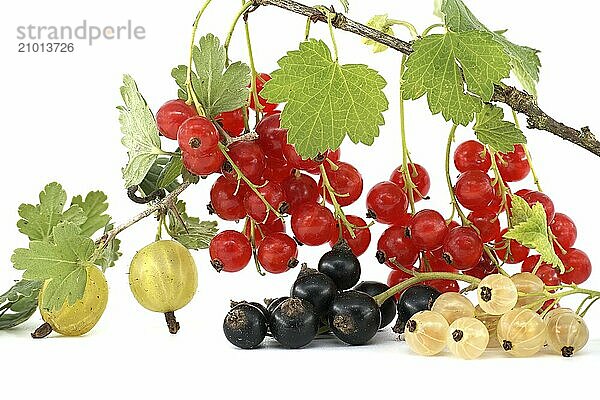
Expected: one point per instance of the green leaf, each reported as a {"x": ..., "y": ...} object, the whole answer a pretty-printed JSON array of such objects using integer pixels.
[
  {"x": 171, "y": 172},
  {"x": 382, "y": 24},
  {"x": 457, "y": 71},
  {"x": 491, "y": 129},
  {"x": 520, "y": 210},
  {"x": 195, "y": 234},
  {"x": 533, "y": 233},
  {"x": 151, "y": 180},
  {"x": 325, "y": 100},
  {"x": 110, "y": 254},
  {"x": 94, "y": 206},
  {"x": 179, "y": 73},
  {"x": 524, "y": 60},
  {"x": 19, "y": 303},
  {"x": 140, "y": 133},
  {"x": 62, "y": 263},
  {"x": 38, "y": 221}
]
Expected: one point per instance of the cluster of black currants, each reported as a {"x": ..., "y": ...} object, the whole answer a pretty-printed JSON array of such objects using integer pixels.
[{"x": 322, "y": 302}]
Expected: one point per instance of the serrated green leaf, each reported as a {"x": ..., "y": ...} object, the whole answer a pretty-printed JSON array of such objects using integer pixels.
[
  {"x": 196, "y": 234},
  {"x": 140, "y": 133},
  {"x": 533, "y": 233},
  {"x": 61, "y": 263},
  {"x": 457, "y": 72},
  {"x": 94, "y": 206},
  {"x": 150, "y": 182},
  {"x": 179, "y": 73},
  {"x": 18, "y": 303},
  {"x": 382, "y": 24},
  {"x": 491, "y": 129},
  {"x": 520, "y": 210},
  {"x": 325, "y": 100},
  {"x": 524, "y": 60},
  {"x": 110, "y": 254},
  {"x": 171, "y": 172},
  {"x": 37, "y": 221}
]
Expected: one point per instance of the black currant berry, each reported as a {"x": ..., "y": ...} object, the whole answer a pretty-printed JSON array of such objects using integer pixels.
[
  {"x": 354, "y": 317},
  {"x": 252, "y": 303},
  {"x": 245, "y": 326},
  {"x": 388, "y": 308},
  {"x": 316, "y": 288},
  {"x": 341, "y": 265},
  {"x": 294, "y": 323},
  {"x": 414, "y": 299},
  {"x": 273, "y": 303}
]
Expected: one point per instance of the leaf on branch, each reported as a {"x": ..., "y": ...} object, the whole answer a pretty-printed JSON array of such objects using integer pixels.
[
  {"x": 94, "y": 207},
  {"x": 152, "y": 181},
  {"x": 179, "y": 73},
  {"x": 381, "y": 23},
  {"x": 111, "y": 253},
  {"x": 19, "y": 303},
  {"x": 530, "y": 229},
  {"x": 171, "y": 172},
  {"x": 61, "y": 263},
  {"x": 457, "y": 72},
  {"x": 491, "y": 129},
  {"x": 325, "y": 100},
  {"x": 38, "y": 221},
  {"x": 524, "y": 60},
  {"x": 195, "y": 234},
  {"x": 140, "y": 133}
]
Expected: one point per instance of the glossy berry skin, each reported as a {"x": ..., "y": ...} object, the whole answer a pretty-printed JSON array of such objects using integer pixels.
[
  {"x": 578, "y": 266},
  {"x": 497, "y": 294},
  {"x": 474, "y": 190},
  {"x": 313, "y": 224},
  {"x": 484, "y": 267},
  {"x": 362, "y": 235},
  {"x": 198, "y": 136},
  {"x": 387, "y": 203},
  {"x": 427, "y": 229},
  {"x": 354, "y": 317},
  {"x": 514, "y": 166},
  {"x": 171, "y": 115},
  {"x": 398, "y": 276},
  {"x": 566, "y": 333},
  {"x": 299, "y": 189},
  {"x": 296, "y": 161},
  {"x": 467, "y": 338},
  {"x": 418, "y": 175},
  {"x": 316, "y": 288},
  {"x": 388, "y": 308},
  {"x": 472, "y": 156},
  {"x": 534, "y": 197},
  {"x": 267, "y": 107},
  {"x": 426, "y": 332},
  {"x": 232, "y": 122},
  {"x": 276, "y": 170},
  {"x": 257, "y": 209},
  {"x": 393, "y": 243},
  {"x": 249, "y": 158},
  {"x": 261, "y": 230},
  {"x": 227, "y": 200},
  {"x": 230, "y": 251},
  {"x": 443, "y": 285},
  {"x": 272, "y": 304},
  {"x": 453, "y": 306},
  {"x": 521, "y": 332},
  {"x": 294, "y": 323},
  {"x": 564, "y": 229},
  {"x": 548, "y": 275},
  {"x": 517, "y": 253},
  {"x": 245, "y": 326},
  {"x": 530, "y": 288},
  {"x": 271, "y": 137},
  {"x": 487, "y": 223},
  {"x": 203, "y": 165},
  {"x": 341, "y": 266},
  {"x": 462, "y": 248},
  {"x": 277, "y": 253},
  {"x": 413, "y": 300},
  {"x": 345, "y": 181}
]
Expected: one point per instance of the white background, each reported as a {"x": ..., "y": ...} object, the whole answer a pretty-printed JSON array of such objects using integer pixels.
[{"x": 59, "y": 122}]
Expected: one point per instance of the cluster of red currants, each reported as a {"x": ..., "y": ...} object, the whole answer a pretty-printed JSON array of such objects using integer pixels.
[{"x": 426, "y": 242}]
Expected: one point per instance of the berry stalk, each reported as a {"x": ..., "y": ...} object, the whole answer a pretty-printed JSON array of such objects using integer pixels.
[
  {"x": 338, "y": 212},
  {"x": 455, "y": 206}
]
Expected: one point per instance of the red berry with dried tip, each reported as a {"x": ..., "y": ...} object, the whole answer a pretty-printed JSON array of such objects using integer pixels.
[
  {"x": 418, "y": 175},
  {"x": 387, "y": 203},
  {"x": 171, "y": 115},
  {"x": 230, "y": 251}
]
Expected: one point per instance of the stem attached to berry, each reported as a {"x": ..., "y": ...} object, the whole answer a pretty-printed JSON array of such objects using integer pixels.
[
  {"x": 338, "y": 212},
  {"x": 455, "y": 206},
  {"x": 409, "y": 185},
  {"x": 245, "y": 7},
  {"x": 252, "y": 230},
  {"x": 330, "y": 16},
  {"x": 528, "y": 155},
  {"x": 253, "y": 89}
]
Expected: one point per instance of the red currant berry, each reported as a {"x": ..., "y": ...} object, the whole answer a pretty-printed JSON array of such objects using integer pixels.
[
  {"x": 537, "y": 197},
  {"x": 232, "y": 121},
  {"x": 345, "y": 181},
  {"x": 578, "y": 267},
  {"x": 249, "y": 158},
  {"x": 487, "y": 223},
  {"x": 276, "y": 170},
  {"x": 171, "y": 115},
  {"x": 517, "y": 252},
  {"x": 260, "y": 230},
  {"x": 277, "y": 253},
  {"x": 271, "y": 137},
  {"x": 397, "y": 276},
  {"x": 522, "y": 192},
  {"x": 486, "y": 266},
  {"x": 462, "y": 248},
  {"x": 257, "y": 209},
  {"x": 418, "y": 175},
  {"x": 387, "y": 203},
  {"x": 300, "y": 189},
  {"x": 230, "y": 251},
  {"x": 267, "y": 107},
  {"x": 513, "y": 166},
  {"x": 434, "y": 262},
  {"x": 227, "y": 200},
  {"x": 564, "y": 229},
  {"x": 500, "y": 204},
  {"x": 198, "y": 136},
  {"x": 530, "y": 263},
  {"x": 443, "y": 285},
  {"x": 427, "y": 229},
  {"x": 548, "y": 275},
  {"x": 313, "y": 224},
  {"x": 472, "y": 155},
  {"x": 333, "y": 156},
  {"x": 203, "y": 165},
  {"x": 474, "y": 190},
  {"x": 393, "y": 243},
  {"x": 362, "y": 235},
  {"x": 296, "y": 161}
]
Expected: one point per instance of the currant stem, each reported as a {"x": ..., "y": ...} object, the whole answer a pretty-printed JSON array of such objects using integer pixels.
[
  {"x": 411, "y": 28},
  {"x": 253, "y": 89},
  {"x": 528, "y": 155},
  {"x": 253, "y": 245},
  {"x": 504, "y": 189},
  {"x": 236, "y": 19},
  {"x": 330, "y": 16},
  {"x": 430, "y": 28},
  {"x": 338, "y": 212},
  {"x": 455, "y": 205},
  {"x": 307, "y": 29},
  {"x": 409, "y": 185},
  {"x": 188, "y": 80}
]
